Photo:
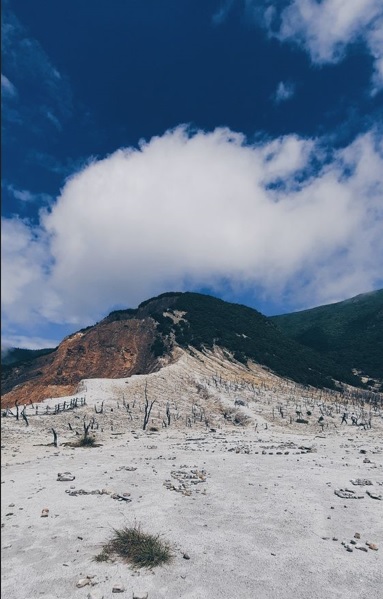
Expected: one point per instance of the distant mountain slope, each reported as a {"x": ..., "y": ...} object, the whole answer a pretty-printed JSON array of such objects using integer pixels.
[
  {"x": 140, "y": 341},
  {"x": 207, "y": 321},
  {"x": 15, "y": 355},
  {"x": 350, "y": 333}
]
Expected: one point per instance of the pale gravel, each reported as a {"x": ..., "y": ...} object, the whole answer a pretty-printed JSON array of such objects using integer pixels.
[{"x": 255, "y": 505}]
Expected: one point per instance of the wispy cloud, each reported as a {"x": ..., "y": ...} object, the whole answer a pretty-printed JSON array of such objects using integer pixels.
[
  {"x": 325, "y": 29},
  {"x": 53, "y": 119},
  {"x": 30, "y": 71},
  {"x": 222, "y": 13},
  {"x": 7, "y": 87},
  {"x": 204, "y": 209},
  {"x": 24, "y": 195},
  {"x": 285, "y": 91}
]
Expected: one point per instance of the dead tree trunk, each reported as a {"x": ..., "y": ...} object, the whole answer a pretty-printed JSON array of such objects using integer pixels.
[
  {"x": 101, "y": 409},
  {"x": 25, "y": 416},
  {"x": 86, "y": 429},
  {"x": 54, "y": 437},
  {"x": 148, "y": 408}
]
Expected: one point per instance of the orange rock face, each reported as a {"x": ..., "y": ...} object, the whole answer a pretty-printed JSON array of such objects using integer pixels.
[{"x": 110, "y": 349}]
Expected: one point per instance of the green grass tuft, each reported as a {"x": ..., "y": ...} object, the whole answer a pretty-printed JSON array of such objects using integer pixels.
[
  {"x": 138, "y": 548},
  {"x": 103, "y": 556}
]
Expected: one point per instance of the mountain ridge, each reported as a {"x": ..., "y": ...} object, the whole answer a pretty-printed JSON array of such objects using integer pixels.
[
  {"x": 348, "y": 332},
  {"x": 142, "y": 340}
]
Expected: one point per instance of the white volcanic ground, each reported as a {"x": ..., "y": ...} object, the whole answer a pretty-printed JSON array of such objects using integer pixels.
[{"x": 252, "y": 505}]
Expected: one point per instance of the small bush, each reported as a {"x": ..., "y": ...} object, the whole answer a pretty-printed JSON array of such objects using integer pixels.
[
  {"x": 140, "y": 549},
  {"x": 86, "y": 442},
  {"x": 240, "y": 419},
  {"x": 234, "y": 416}
]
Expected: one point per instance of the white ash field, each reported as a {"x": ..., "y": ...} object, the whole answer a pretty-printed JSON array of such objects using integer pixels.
[{"x": 252, "y": 503}]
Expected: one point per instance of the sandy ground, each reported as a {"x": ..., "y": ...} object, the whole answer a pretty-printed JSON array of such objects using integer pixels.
[{"x": 261, "y": 521}]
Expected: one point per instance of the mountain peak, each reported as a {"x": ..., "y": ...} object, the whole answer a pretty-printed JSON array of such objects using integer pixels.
[{"x": 143, "y": 340}]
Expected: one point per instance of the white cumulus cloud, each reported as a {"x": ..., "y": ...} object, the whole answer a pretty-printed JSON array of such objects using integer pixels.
[{"x": 187, "y": 210}]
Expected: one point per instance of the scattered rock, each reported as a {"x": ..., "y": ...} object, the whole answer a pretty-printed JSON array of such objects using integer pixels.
[
  {"x": 308, "y": 448},
  {"x": 357, "y": 535},
  {"x": 128, "y": 468},
  {"x": 140, "y": 596},
  {"x": 95, "y": 595},
  {"x": 121, "y": 496},
  {"x": 186, "y": 556},
  {"x": 44, "y": 513},
  {"x": 361, "y": 481},
  {"x": 65, "y": 476},
  {"x": 83, "y": 582},
  {"x": 372, "y": 546},
  {"x": 347, "y": 494},
  {"x": 374, "y": 495},
  {"x": 118, "y": 588},
  {"x": 361, "y": 547}
]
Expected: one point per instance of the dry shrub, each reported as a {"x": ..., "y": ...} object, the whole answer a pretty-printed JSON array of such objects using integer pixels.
[
  {"x": 136, "y": 547},
  {"x": 240, "y": 419}
]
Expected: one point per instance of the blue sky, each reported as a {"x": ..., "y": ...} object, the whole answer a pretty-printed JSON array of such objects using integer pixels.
[{"x": 232, "y": 147}]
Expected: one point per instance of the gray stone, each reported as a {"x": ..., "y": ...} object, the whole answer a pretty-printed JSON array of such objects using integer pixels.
[
  {"x": 361, "y": 481},
  {"x": 373, "y": 546},
  {"x": 118, "y": 588},
  {"x": 83, "y": 582},
  {"x": 347, "y": 494},
  {"x": 95, "y": 595},
  {"x": 65, "y": 476},
  {"x": 374, "y": 495}
]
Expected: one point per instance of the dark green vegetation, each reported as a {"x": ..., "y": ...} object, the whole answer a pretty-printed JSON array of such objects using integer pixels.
[
  {"x": 315, "y": 347},
  {"x": 86, "y": 441},
  {"x": 349, "y": 333},
  {"x": 15, "y": 355},
  {"x": 247, "y": 334},
  {"x": 136, "y": 547}
]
